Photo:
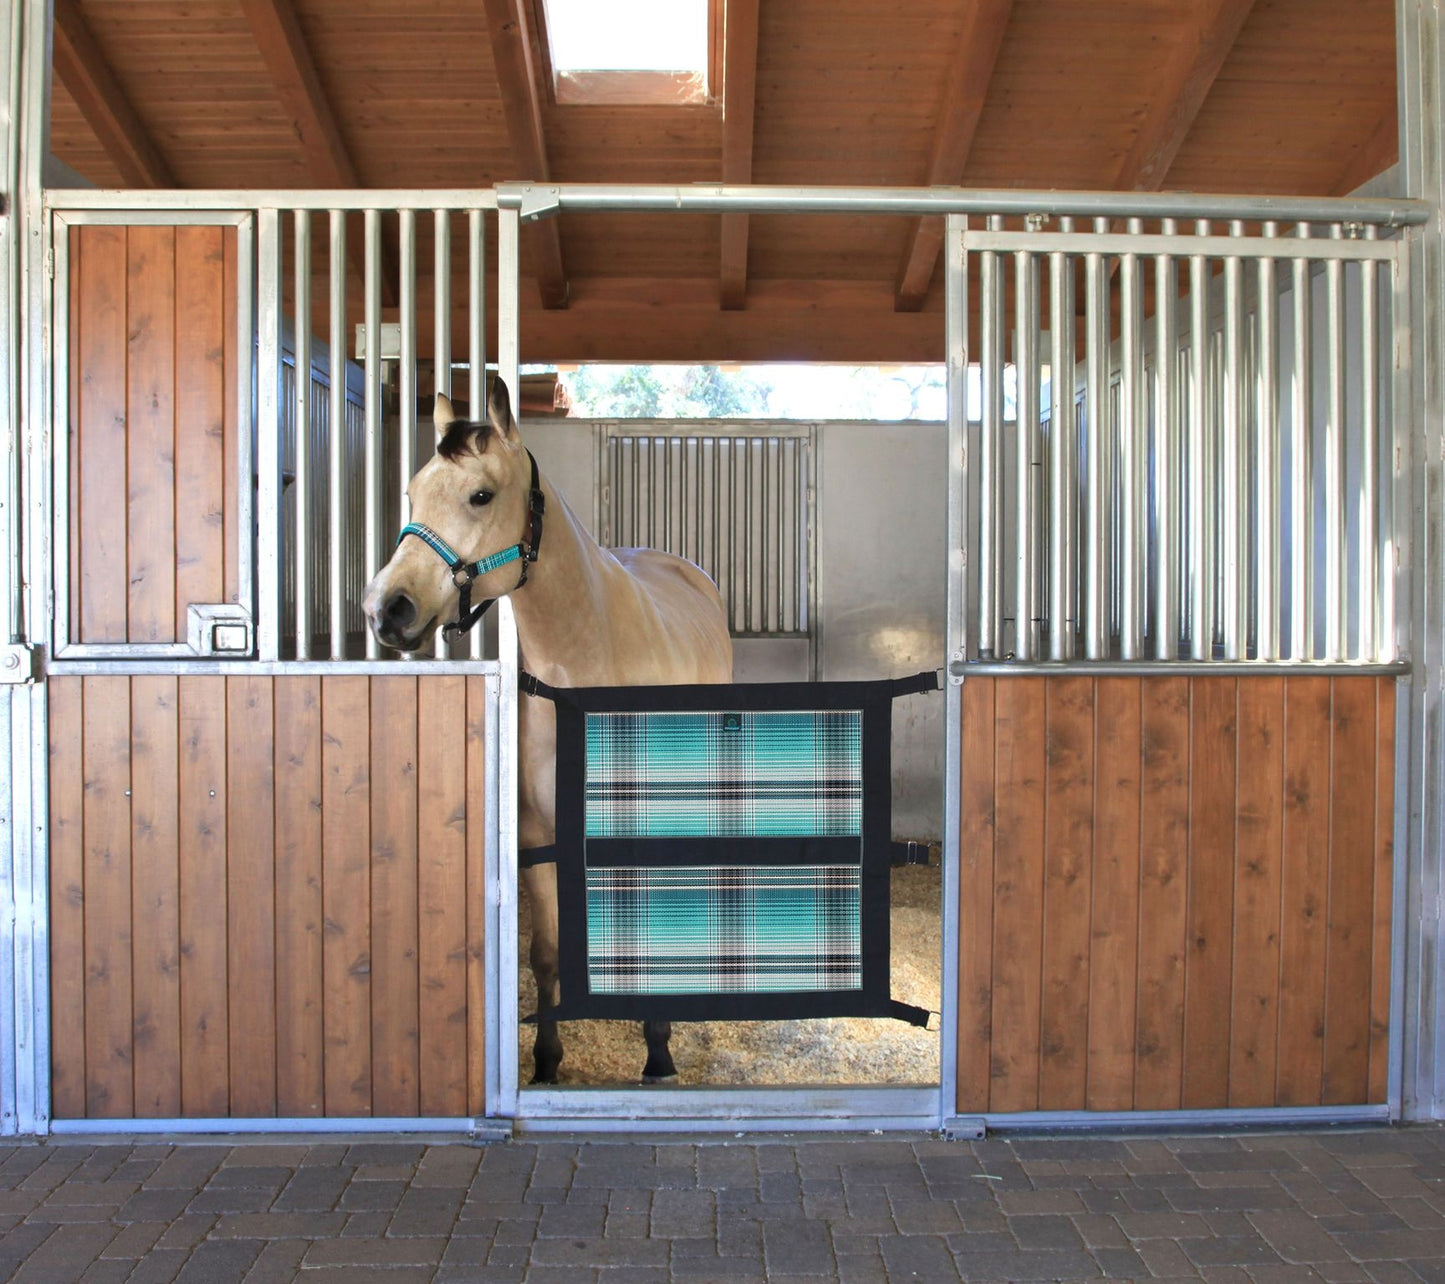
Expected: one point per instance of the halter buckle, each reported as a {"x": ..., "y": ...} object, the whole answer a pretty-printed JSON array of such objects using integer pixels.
[{"x": 463, "y": 573}]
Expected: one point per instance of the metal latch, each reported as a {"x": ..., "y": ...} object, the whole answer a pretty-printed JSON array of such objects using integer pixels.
[
  {"x": 219, "y": 629},
  {"x": 17, "y": 664}
]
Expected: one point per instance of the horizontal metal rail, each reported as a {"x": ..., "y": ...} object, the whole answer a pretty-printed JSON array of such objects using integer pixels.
[{"x": 451, "y": 198}]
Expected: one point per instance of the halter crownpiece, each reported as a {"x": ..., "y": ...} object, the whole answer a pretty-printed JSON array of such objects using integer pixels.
[{"x": 463, "y": 573}]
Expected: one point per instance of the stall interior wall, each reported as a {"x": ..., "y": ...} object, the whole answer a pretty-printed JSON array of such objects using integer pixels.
[{"x": 1174, "y": 892}]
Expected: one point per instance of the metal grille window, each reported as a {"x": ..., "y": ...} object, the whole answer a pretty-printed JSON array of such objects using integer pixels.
[{"x": 737, "y": 502}]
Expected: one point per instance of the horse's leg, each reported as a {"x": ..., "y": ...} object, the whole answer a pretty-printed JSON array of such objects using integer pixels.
[
  {"x": 659, "y": 1067},
  {"x": 541, "y": 884}
]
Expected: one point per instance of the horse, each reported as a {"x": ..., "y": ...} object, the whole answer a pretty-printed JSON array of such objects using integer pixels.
[{"x": 586, "y": 617}]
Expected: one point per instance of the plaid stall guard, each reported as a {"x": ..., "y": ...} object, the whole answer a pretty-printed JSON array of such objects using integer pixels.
[{"x": 724, "y": 852}]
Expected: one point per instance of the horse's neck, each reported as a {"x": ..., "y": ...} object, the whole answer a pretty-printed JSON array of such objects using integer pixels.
[{"x": 560, "y": 611}]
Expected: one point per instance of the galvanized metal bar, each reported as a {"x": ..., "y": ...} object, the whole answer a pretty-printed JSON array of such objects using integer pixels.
[
  {"x": 1167, "y": 461},
  {"x": 441, "y": 337},
  {"x": 268, "y": 440},
  {"x": 1026, "y": 430},
  {"x": 301, "y": 485},
  {"x": 1302, "y": 482},
  {"x": 1185, "y": 668},
  {"x": 476, "y": 338},
  {"x": 1062, "y": 447},
  {"x": 1370, "y": 535},
  {"x": 1336, "y": 526},
  {"x": 371, "y": 520},
  {"x": 336, "y": 439},
  {"x": 1096, "y": 418},
  {"x": 189, "y": 200},
  {"x": 406, "y": 381},
  {"x": 1266, "y": 461},
  {"x": 1232, "y": 513},
  {"x": 541, "y": 200},
  {"x": 1201, "y": 489},
  {"x": 990, "y": 458},
  {"x": 1119, "y": 243},
  {"x": 1133, "y": 546}
]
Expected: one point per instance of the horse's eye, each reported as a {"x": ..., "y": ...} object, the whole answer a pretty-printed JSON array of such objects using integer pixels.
[{"x": 481, "y": 498}]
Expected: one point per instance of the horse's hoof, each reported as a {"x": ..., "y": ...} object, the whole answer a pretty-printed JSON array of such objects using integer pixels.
[
  {"x": 660, "y": 1078},
  {"x": 542, "y": 1081}
]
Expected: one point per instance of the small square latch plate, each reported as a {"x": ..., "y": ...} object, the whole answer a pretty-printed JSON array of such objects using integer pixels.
[
  {"x": 230, "y": 638},
  {"x": 219, "y": 629}
]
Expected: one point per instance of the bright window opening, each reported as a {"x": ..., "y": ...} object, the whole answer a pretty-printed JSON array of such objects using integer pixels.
[{"x": 629, "y": 51}]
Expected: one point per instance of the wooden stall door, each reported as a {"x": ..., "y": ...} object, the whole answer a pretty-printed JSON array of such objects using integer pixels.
[
  {"x": 267, "y": 895},
  {"x": 153, "y": 429},
  {"x": 1175, "y": 893}
]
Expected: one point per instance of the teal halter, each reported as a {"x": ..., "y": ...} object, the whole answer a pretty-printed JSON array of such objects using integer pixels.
[{"x": 463, "y": 573}]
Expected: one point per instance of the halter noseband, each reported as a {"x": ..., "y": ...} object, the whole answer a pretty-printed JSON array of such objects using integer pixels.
[{"x": 463, "y": 573}]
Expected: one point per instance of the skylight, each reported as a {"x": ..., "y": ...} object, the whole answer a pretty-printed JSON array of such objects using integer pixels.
[{"x": 629, "y": 51}]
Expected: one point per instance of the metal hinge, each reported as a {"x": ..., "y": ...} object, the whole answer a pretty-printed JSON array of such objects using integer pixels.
[
  {"x": 17, "y": 664},
  {"x": 50, "y": 263}
]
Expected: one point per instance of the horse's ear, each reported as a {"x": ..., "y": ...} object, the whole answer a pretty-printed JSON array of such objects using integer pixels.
[
  {"x": 444, "y": 415},
  {"x": 499, "y": 409}
]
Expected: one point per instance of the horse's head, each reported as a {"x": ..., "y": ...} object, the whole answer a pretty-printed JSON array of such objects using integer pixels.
[{"x": 471, "y": 499}]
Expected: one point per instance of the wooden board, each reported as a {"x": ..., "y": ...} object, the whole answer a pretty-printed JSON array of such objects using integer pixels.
[{"x": 67, "y": 898}]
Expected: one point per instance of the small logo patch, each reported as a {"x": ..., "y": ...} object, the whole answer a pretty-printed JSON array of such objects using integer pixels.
[{"x": 732, "y": 722}]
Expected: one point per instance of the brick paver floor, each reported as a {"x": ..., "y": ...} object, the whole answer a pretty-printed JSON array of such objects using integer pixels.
[{"x": 1320, "y": 1205}]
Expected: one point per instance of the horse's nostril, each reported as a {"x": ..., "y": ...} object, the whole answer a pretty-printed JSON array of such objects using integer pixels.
[{"x": 399, "y": 610}]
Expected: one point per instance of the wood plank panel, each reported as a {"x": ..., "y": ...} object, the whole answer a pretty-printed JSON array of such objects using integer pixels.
[
  {"x": 975, "y": 884},
  {"x": 346, "y": 893},
  {"x": 1068, "y": 861},
  {"x": 1384, "y": 888},
  {"x": 394, "y": 945},
  {"x": 476, "y": 857},
  {"x": 442, "y": 900},
  {"x": 155, "y": 836},
  {"x": 299, "y": 1054},
  {"x": 1211, "y": 893},
  {"x": 1304, "y": 890},
  {"x": 1163, "y": 893},
  {"x": 150, "y": 435},
  {"x": 1255, "y": 994},
  {"x": 231, "y": 435},
  {"x": 200, "y": 417},
  {"x": 67, "y": 898},
  {"x": 109, "y": 1086},
  {"x": 251, "y": 893},
  {"x": 1018, "y": 890},
  {"x": 205, "y": 1009},
  {"x": 1113, "y": 969},
  {"x": 1351, "y": 892},
  {"x": 99, "y": 524},
  {"x": 74, "y": 375}
]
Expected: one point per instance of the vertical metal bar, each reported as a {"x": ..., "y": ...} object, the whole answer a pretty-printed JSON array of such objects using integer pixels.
[
  {"x": 990, "y": 588},
  {"x": 1026, "y": 431},
  {"x": 442, "y": 335},
  {"x": 1201, "y": 491},
  {"x": 1369, "y": 534},
  {"x": 1133, "y": 498},
  {"x": 1096, "y": 416},
  {"x": 301, "y": 485},
  {"x": 749, "y": 597},
  {"x": 336, "y": 430},
  {"x": 372, "y": 368},
  {"x": 1166, "y": 453},
  {"x": 1062, "y": 437},
  {"x": 1266, "y": 467},
  {"x": 508, "y": 304},
  {"x": 1231, "y": 511},
  {"x": 268, "y": 440},
  {"x": 476, "y": 339},
  {"x": 1302, "y": 481},
  {"x": 1336, "y": 562},
  {"x": 406, "y": 427}
]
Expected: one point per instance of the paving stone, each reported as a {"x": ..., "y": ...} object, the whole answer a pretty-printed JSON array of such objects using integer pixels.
[
  {"x": 279, "y": 1226},
  {"x": 1049, "y": 1231},
  {"x": 111, "y": 1271},
  {"x": 1018, "y": 1266},
  {"x": 160, "y": 1266},
  {"x": 599, "y": 1252},
  {"x": 1297, "y": 1237},
  {"x": 373, "y": 1195},
  {"x": 798, "y": 1248},
  {"x": 1120, "y": 1264},
  {"x": 219, "y": 1263},
  {"x": 278, "y": 1262},
  {"x": 579, "y": 1221},
  {"x": 187, "y": 1167},
  {"x": 375, "y": 1252},
  {"x": 684, "y": 1213},
  {"x": 429, "y": 1211},
  {"x": 914, "y": 1216},
  {"x": 1394, "y": 1245},
  {"x": 312, "y": 1189},
  {"x": 228, "y": 1178},
  {"x": 1230, "y": 1250},
  {"x": 135, "y": 1241},
  {"x": 64, "y": 1255}
]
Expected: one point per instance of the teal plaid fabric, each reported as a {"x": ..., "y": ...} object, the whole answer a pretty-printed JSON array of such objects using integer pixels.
[
  {"x": 691, "y": 775},
  {"x": 721, "y": 930}
]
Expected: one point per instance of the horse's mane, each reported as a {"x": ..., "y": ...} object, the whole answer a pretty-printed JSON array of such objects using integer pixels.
[{"x": 463, "y": 436}]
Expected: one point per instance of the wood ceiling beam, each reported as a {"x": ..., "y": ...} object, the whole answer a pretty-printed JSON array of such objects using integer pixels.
[
  {"x": 283, "y": 48},
  {"x": 740, "y": 80},
  {"x": 1379, "y": 152},
  {"x": 1184, "y": 82},
  {"x": 88, "y": 78},
  {"x": 978, "y": 46},
  {"x": 522, "y": 108}
]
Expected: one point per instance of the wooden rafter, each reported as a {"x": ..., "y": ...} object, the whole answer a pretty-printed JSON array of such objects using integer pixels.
[
  {"x": 283, "y": 48},
  {"x": 507, "y": 24},
  {"x": 740, "y": 78},
  {"x": 978, "y": 46},
  {"x": 1378, "y": 153},
  {"x": 88, "y": 78},
  {"x": 1184, "y": 82}
]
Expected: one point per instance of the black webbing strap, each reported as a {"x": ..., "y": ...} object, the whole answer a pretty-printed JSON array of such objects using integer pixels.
[
  {"x": 911, "y": 853},
  {"x": 907, "y": 1012},
  {"x": 529, "y": 856},
  {"x": 929, "y": 680}
]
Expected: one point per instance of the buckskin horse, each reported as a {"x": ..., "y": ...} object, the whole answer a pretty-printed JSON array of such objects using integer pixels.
[{"x": 485, "y": 520}]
